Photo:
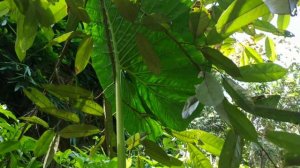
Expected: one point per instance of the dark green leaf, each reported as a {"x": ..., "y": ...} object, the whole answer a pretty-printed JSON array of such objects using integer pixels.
[
  {"x": 78, "y": 130},
  {"x": 77, "y": 8},
  {"x": 155, "y": 22},
  {"x": 221, "y": 61},
  {"x": 209, "y": 92},
  {"x": 238, "y": 94},
  {"x": 42, "y": 145},
  {"x": 42, "y": 13},
  {"x": 204, "y": 140},
  {"x": 65, "y": 115},
  {"x": 38, "y": 98},
  {"x": 89, "y": 107},
  {"x": 128, "y": 8},
  {"x": 268, "y": 27},
  {"x": 240, "y": 122},
  {"x": 8, "y": 146},
  {"x": 197, "y": 158},
  {"x": 270, "y": 49},
  {"x": 83, "y": 54},
  {"x": 70, "y": 91},
  {"x": 198, "y": 21},
  {"x": 277, "y": 114},
  {"x": 239, "y": 14},
  {"x": 148, "y": 53},
  {"x": 270, "y": 101},
  {"x": 288, "y": 141},
  {"x": 291, "y": 159},
  {"x": 231, "y": 155},
  {"x": 22, "y": 5},
  {"x": 36, "y": 120},
  {"x": 264, "y": 72},
  {"x": 157, "y": 153}
]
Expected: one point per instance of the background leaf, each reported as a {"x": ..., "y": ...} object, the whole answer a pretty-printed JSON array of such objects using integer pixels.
[
  {"x": 78, "y": 130},
  {"x": 83, "y": 54}
]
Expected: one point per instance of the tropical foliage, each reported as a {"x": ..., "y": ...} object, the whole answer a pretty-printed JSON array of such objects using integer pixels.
[{"x": 120, "y": 81}]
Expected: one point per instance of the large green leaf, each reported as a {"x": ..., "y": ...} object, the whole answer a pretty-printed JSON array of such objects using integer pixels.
[
  {"x": 62, "y": 114},
  {"x": 221, "y": 61},
  {"x": 209, "y": 92},
  {"x": 128, "y": 8},
  {"x": 163, "y": 94},
  {"x": 239, "y": 14},
  {"x": 149, "y": 55},
  {"x": 264, "y": 72},
  {"x": 8, "y": 146},
  {"x": 232, "y": 151},
  {"x": 89, "y": 107},
  {"x": 240, "y": 123},
  {"x": 238, "y": 94},
  {"x": 197, "y": 158},
  {"x": 36, "y": 120},
  {"x": 4, "y": 8},
  {"x": 276, "y": 114},
  {"x": 42, "y": 145},
  {"x": 270, "y": 101},
  {"x": 291, "y": 159},
  {"x": 74, "y": 92},
  {"x": 204, "y": 140},
  {"x": 157, "y": 153},
  {"x": 38, "y": 98},
  {"x": 198, "y": 21},
  {"x": 288, "y": 141},
  {"x": 78, "y": 130}
]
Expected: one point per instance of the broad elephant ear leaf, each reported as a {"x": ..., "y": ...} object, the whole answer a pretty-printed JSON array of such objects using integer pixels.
[{"x": 163, "y": 94}]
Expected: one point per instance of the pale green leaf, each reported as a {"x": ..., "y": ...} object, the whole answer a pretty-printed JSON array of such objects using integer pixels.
[
  {"x": 38, "y": 98},
  {"x": 244, "y": 60},
  {"x": 4, "y": 8},
  {"x": 8, "y": 146},
  {"x": 36, "y": 120},
  {"x": 197, "y": 158},
  {"x": 78, "y": 130},
  {"x": 288, "y": 141},
  {"x": 148, "y": 53},
  {"x": 83, "y": 55},
  {"x": 89, "y": 107},
  {"x": 251, "y": 53},
  {"x": 69, "y": 91},
  {"x": 239, "y": 14},
  {"x": 43, "y": 143},
  {"x": 204, "y": 140},
  {"x": 263, "y": 72},
  {"x": 65, "y": 115},
  {"x": 7, "y": 113},
  {"x": 270, "y": 49},
  {"x": 58, "y": 10},
  {"x": 209, "y": 92},
  {"x": 231, "y": 155},
  {"x": 283, "y": 22}
]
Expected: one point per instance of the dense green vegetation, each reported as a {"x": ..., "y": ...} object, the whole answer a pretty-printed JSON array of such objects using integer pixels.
[{"x": 146, "y": 83}]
